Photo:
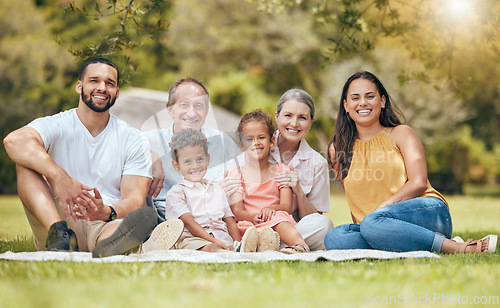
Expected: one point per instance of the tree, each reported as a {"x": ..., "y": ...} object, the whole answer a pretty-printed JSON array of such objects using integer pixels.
[
  {"x": 451, "y": 38},
  {"x": 34, "y": 75},
  {"x": 227, "y": 36},
  {"x": 454, "y": 44},
  {"x": 249, "y": 52},
  {"x": 127, "y": 32}
]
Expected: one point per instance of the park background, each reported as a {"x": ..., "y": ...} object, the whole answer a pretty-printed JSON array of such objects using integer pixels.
[{"x": 438, "y": 59}]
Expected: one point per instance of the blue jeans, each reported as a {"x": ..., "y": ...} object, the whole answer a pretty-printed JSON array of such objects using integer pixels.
[{"x": 416, "y": 224}]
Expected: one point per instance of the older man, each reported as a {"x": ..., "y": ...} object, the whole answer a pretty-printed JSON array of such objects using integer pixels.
[
  {"x": 85, "y": 165},
  {"x": 187, "y": 104}
]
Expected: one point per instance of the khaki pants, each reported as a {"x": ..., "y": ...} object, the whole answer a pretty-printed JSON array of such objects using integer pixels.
[
  {"x": 87, "y": 232},
  {"x": 189, "y": 241}
]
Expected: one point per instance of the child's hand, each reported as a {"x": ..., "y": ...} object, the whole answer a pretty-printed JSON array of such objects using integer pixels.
[
  {"x": 223, "y": 245},
  {"x": 267, "y": 213},
  {"x": 257, "y": 219}
]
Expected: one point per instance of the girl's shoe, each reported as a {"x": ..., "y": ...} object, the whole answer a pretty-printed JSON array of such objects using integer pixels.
[
  {"x": 268, "y": 240},
  {"x": 249, "y": 241}
]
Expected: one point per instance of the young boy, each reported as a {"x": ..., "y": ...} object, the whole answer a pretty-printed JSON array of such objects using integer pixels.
[{"x": 201, "y": 204}]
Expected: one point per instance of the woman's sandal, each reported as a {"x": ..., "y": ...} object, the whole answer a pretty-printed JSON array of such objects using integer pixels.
[
  {"x": 297, "y": 248},
  {"x": 492, "y": 244}
]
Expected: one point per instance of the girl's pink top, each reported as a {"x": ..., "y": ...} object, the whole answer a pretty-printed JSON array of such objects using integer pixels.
[{"x": 257, "y": 196}]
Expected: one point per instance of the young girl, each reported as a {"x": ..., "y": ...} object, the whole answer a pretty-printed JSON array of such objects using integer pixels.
[
  {"x": 381, "y": 164},
  {"x": 261, "y": 201}
]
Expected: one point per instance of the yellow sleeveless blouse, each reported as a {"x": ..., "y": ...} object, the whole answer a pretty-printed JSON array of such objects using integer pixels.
[{"x": 376, "y": 173}]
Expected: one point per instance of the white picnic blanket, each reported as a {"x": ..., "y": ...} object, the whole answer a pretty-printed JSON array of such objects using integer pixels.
[{"x": 195, "y": 256}]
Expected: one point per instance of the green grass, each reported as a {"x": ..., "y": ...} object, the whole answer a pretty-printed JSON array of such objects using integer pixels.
[{"x": 282, "y": 284}]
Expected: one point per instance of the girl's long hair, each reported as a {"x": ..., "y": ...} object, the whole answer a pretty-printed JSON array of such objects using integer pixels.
[{"x": 345, "y": 129}]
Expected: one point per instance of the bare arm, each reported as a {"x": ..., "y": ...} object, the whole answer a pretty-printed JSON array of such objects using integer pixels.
[
  {"x": 304, "y": 206},
  {"x": 414, "y": 158},
  {"x": 284, "y": 205},
  {"x": 26, "y": 148},
  {"x": 290, "y": 178},
  {"x": 133, "y": 190},
  {"x": 285, "y": 200},
  {"x": 236, "y": 202},
  {"x": 232, "y": 227}
]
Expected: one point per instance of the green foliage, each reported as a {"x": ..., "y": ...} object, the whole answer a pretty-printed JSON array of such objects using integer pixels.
[
  {"x": 18, "y": 245},
  {"x": 452, "y": 39},
  {"x": 34, "y": 75},
  {"x": 116, "y": 30},
  {"x": 468, "y": 161},
  {"x": 249, "y": 52},
  {"x": 241, "y": 92},
  {"x": 227, "y": 36}
]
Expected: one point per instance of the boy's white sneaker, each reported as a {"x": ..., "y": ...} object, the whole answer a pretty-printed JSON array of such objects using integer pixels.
[{"x": 164, "y": 236}]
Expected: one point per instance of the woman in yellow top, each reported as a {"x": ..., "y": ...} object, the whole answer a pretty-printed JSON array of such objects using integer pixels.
[{"x": 381, "y": 164}]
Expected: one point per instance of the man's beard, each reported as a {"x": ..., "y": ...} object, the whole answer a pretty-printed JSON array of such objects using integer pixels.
[{"x": 87, "y": 99}]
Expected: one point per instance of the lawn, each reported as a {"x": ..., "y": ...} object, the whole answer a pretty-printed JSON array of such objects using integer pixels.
[{"x": 450, "y": 280}]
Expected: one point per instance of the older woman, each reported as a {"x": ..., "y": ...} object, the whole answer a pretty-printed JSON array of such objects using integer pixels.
[{"x": 308, "y": 174}]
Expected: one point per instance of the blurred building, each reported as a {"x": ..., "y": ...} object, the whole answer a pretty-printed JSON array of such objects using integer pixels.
[{"x": 145, "y": 109}]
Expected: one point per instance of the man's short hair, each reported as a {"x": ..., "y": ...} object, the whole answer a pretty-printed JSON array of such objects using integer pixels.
[
  {"x": 187, "y": 137},
  {"x": 99, "y": 60},
  {"x": 172, "y": 93}
]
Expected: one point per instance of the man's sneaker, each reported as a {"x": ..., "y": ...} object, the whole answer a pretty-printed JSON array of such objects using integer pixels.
[
  {"x": 131, "y": 232},
  {"x": 268, "y": 240},
  {"x": 164, "y": 236},
  {"x": 61, "y": 238},
  {"x": 249, "y": 241}
]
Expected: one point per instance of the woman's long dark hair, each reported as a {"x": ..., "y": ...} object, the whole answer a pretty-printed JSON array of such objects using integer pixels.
[{"x": 345, "y": 129}]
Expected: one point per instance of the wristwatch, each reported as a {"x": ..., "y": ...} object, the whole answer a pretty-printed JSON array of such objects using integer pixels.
[{"x": 112, "y": 215}]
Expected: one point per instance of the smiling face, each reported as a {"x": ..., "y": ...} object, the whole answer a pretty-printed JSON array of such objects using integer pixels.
[
  {"x": 363, "y": 102},
  {"x": 190, "y": 107},
  {"x": 255, "y": 140},
  {"x": 294, "y": 120},
  {"x": 192, "y": 162},
  {"x": 98, "y": 88}
]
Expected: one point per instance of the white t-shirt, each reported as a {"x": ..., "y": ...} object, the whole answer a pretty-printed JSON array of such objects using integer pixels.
[{"x": 98, "y": 161}]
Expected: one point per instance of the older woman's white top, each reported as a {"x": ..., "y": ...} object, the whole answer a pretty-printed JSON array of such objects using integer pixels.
[{"x": 312, "y": 170}]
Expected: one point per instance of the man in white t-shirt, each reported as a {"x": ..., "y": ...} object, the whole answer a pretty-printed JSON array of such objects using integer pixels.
[
  {"x": 83, "y": 174},
  {"x": 188, "y": 103}
]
